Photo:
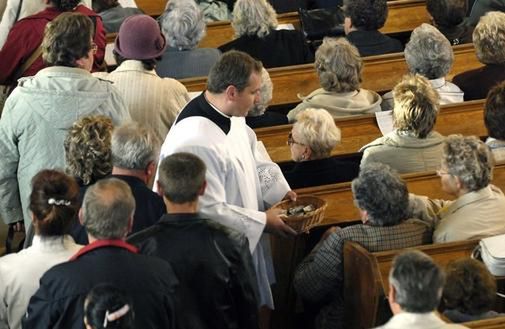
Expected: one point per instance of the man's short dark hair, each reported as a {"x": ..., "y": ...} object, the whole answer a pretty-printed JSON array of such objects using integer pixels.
[
  {"x": 233, "y": 69},
  {"x": 418, "y": 282},
  {"x": 66, "y": 39},
  {"x": 368, "y": 15},
  {"x": 447, "y": 13},
  {"x": 181, "y": 175},
  {"x": 494, "y": 112}
]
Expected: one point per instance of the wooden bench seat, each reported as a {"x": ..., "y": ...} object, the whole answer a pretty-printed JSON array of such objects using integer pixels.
[
  {"x": 380, "y": 73},
  {"x": 465, "y": 118},
  {"x": 496, "y": 323}
]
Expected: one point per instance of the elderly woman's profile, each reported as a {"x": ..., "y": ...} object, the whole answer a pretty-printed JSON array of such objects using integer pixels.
[{"x": 338, "y": 66}]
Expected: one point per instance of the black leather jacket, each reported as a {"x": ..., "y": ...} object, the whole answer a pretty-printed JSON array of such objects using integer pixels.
[{"x": 214, "y": 268}]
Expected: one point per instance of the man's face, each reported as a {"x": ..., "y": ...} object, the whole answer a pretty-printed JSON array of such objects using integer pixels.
[{"x": 246, "y": 98}]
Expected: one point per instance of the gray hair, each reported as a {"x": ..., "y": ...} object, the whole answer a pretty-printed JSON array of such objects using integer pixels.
[
  {"x": 107, "y": 207},
  {"x": 134, "y": 146},
  {"x": 181, "y": 175},
  {"x": 317, "y": 130},
  {"x": 381, "y": 192},
  {"x": 338, "y": 65},
  {"x": 428, "y": 52},
  {"x": 266, "y": 92},
  {"x": 253, "y": 17},
  {"x": 469, "y": 159},
  {"x": 182, "y": 24},
  {"x": 489, "y": 38},
  {"x": 418, "y": 282},
  {"x": 416, "y": 105},
  {"x": 234, "y": 68}
]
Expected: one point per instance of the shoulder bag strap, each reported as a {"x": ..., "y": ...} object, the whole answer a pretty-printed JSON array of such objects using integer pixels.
[{"x": 27, "y": 64}]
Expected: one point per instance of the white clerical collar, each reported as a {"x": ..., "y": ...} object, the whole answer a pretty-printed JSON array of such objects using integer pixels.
[{"x": 215, "y": 108}]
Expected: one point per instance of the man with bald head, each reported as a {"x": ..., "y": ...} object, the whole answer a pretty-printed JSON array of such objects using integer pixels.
[{"x": 107, "y": 215}]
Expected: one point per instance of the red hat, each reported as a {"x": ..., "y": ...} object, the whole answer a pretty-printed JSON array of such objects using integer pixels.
[{"x": 140, "y": 38}]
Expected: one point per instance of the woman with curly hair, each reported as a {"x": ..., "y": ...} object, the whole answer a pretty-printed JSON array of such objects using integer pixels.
[
  {"x": 26, "y": 36},
  {"x": 469, "y": 292},
  {"x": 255, "y": 23}
]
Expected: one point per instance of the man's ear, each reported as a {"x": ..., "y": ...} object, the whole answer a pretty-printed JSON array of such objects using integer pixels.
[
  {"x": 159, "y": 189},
  {"x": 130, "y": 224},
  {"x": 81, "y": 216},
  {"x": 231, "y": 92},
  {"x": 201, "y": 191},
  {"x": 150, "y": 169}
]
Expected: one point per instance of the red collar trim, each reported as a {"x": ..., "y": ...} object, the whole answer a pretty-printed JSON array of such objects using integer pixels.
[{"x": 102, "y": 244}]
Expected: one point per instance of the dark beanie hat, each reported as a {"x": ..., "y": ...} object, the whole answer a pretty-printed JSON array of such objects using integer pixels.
[{"x": 140, "y": 38}]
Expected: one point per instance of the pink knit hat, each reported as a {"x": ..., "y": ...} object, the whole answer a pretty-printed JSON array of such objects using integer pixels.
[{"x": 140, "y": 38}]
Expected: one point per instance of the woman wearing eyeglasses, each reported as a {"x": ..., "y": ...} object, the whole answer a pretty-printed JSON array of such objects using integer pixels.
[
  {"x": 465, "y": 173},
  {"x": 313, "y": 137}
]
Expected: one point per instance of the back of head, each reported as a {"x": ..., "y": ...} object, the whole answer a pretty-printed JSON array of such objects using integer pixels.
[
  {"x": 67, "y": 38},
  {"x": 139, "y": 38},
  {"x": 417, "y": 281},
  {"x": 489, "y": 38},
  {"x": 369, "y": 15},
  {"x": 253, "y": 17},
  {"x": 470, "y": 287},
  {"x": 181, "y": 177},
  {"x": 108, "y": 307},
  {"x": 428, "y": 52},
  {"x": 88, "y": 148},
  {"x": 182, "y": 24},
  {"x": 317, "y": 129},
  {"x": 107, "y": 208},
  {"x": 338, "y": 65},
  {"x": 234, "y": 68},
  {"x": 381, "y": 192},
  {"x": 102, "y": 5},
  {"x": 134, "y": 146},
  {"x": 494, "y": 112},
  {"x": 469, "y": 159},
  {"x": 54, "y": 202},
  {"x": 65, "y": 5},
  {"x": 447, "y": 13},
  {"x": 416, "y": 105},
  {"x": 266, "y": 92}
]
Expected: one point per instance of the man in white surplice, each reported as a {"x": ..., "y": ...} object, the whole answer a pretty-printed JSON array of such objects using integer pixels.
[{"x": 242, "y": 183}]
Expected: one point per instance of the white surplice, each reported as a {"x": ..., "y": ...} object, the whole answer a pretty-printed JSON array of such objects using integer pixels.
[{"x": 241, "y": 183}]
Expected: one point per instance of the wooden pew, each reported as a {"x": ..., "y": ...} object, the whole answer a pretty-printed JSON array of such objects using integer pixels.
[
  {"x": 366, "y": 279},
  {"x": 497, "y": 323},
  {"x": 341, "y": 210},
  {"x": 464, "y": 118},
  {"x": 152, "y": 8},
  {"x": 380, "y": 73}
]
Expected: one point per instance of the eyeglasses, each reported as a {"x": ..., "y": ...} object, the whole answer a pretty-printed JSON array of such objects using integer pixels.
[
  {"x": 291, "y": 140},
  {"x": 93, "y": 47}
]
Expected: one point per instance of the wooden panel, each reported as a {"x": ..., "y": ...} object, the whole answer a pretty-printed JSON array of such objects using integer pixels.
[
  {"x": 463, "y": 118},
  {"x": 498, "y": 323},
  {"x": 405, "y": 15},
  {"x": 152, "y": 8}
]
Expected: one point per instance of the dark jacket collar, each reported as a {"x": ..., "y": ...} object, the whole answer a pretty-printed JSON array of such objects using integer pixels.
[
  {"x": 180, "y": 217},
  {"x": 102, "y": 244},
  {"x": 200, "y": 107}
]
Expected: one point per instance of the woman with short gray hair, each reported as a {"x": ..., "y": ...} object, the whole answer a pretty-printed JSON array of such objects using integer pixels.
[
  {"x": 183, "y": 26},
  {"x": 412, "y": 146},
  {"x": 489, "y": 42},
  {"x": 339, "y": 66},
  {"x": 255, "y": 23},
  {"x": 429, "y": 54},
  {"x": 465, "y": 173},
  {"x": 313, "y": 137}
]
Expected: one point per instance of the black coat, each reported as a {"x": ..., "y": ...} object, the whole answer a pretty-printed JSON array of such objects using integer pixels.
[
  {"x": 268, "y": 119},
  {"x": 477, "y": 83},
  {"x": 370, "y": 43},
  {"x": 149, "y": 282},
  {"x": 214, "y": 266}
]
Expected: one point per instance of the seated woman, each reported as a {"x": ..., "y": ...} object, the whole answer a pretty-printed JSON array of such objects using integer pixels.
[
  {"x": 481, "y": 7},
  {"x": 412, "y": 146},
  {"x": 363, "y": 19},
  {"x": 54, "y": 202},
  {"x": 465, "y": 173},
  {"x": 449, "y": 17},
  {"x": 26, "y": 36},
  {"x": 106, "y": 306},
  {"x": 255, "y": 22},
  {"x": 469, "y": 292},
  {"x": 313, "y": 137},
  {"x": 494, "y": 118},
  {"x": 258, "y": 116},
  {"x": 113, "y": 14},
  {"x": 338, "y": 67},
  {"x": 382, "y": 198},
  {"x": 489, "y": 42},
  {"x": 429, "y": 54},
  {"x": 183, "y": 26}
]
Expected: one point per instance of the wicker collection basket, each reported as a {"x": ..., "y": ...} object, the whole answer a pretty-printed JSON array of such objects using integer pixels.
[{"x": 306, "y": 222}]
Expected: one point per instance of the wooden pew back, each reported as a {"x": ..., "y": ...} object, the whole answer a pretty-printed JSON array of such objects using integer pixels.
[
  {"x": 152, "y": 8},
  {"x": 497, "y": 323}
]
